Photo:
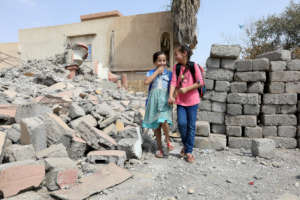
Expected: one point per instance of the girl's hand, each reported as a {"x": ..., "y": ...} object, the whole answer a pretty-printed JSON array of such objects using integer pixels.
[
  {"x": 182, "y": 90},
  {"x": 171, "y": 100},
  {"x": 160, "y": 69}
]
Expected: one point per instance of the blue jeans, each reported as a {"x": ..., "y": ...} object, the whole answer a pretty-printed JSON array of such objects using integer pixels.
[{"x": 187, "y": 116}]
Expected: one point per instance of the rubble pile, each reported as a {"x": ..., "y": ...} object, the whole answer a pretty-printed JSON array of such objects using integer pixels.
[{"x": 65, "y": 135}]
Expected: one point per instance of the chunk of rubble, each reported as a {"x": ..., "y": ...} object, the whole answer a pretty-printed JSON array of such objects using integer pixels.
[
  {"x": 18, "y": 152},
  {"x": 31, "y": 110},
  {"x": 108, "y": 156},
  {"x": 14, "y": 133},
  {"x": 89, "y": 119},
  {"x": 28, "y": 196},
  {"x": 54, "y": 151},
  {"x": 3, "y": 138},
  {"x": 78, "y": 148},
  {"x": 75, "y": 111},
  {"x": 214, "y": 141},
  {"x": 132, "y": 146},
  {"x": 263, "y": 147}
]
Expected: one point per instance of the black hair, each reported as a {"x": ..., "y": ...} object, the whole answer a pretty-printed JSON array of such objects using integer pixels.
[
  {"x": 157, "y": 54},
  {"x": 187, "y": 49}
]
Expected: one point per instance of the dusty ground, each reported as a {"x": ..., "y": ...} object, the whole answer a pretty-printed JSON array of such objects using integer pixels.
[{"x": 214, "y": 175}]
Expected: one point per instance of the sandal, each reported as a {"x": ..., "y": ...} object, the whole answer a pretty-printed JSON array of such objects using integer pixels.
[
  {"x": 190, "y": 158},
  {"x": 170, "y": 147},
  {"x": 182, "y": 152},
  {"x": 159, "y": 154}
]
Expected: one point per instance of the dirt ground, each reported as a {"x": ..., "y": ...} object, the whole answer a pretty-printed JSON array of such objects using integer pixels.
[{"x": 227, "y": 175}]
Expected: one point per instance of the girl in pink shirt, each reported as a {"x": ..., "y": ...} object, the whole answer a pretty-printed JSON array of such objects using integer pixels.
[{"x": 184, "y": 92}]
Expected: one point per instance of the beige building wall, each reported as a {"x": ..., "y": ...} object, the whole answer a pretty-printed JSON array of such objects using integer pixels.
[{"x": 9, "y": 54}]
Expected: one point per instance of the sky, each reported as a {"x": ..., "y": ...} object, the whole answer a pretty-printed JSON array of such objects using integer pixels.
[{"x": 218, "y": 20}]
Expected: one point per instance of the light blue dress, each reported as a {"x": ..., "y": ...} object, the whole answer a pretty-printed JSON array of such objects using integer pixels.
[{"x": 157, "y": 108}]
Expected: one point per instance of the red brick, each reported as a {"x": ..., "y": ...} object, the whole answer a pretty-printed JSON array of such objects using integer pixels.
[
  {"x": 8, "y": 110},
  {"x": 67, "y": 177}
]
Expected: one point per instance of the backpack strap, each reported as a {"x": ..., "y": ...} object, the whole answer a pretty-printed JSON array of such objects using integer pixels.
[{"x": 191, "y": 66}]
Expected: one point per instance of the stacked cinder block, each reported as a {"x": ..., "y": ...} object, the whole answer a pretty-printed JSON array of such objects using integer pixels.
[{"x": 219, "y": 75}]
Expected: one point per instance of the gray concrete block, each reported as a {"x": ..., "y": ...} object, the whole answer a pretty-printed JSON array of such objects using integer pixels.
[
  {"x": 294, "y": 65},
  {"x": 219, "y": 74},
  {"x": 209, "y": 84},
  {"x": 228, "y": 64},
  {"x": 278, "y": 66},
  {"x": 76, "y": 111},
  {"x": 218, "y": 128},
  {"x": 293, "y": 87},
  {"x": 280, "y": 99},
  {"x": 253, "y": 132},
  {"x": 278, "y": 55},
  {"x": 31, "y": 110},
  {"x": 283, "y": 142},
  {"x": 250, "y": 76},
  {"x": 234, "y": 131},
  {"x": 270, "y": 109},
  {"x": 243, "y": 98},
  {"x": 288, "y": 109},
  {"x": 263, "y": 148},
  {"x": 16, "y": 152},
  {"x": 87, "y": 118},
  {"x": 287, "y": 131},
  {"x": 234, "y": 109},
  {"x": 269, "y": 131},
  {"x": 276, "y": 87},
  {"x": 241, "y": 120},
  {"x": 219, "y": 96},
  {"x": 213, "y": 117},
  {"x": 251, "y": 109},
  {"x": 215, "y": 141},
  {"x": 279, "y": 120},
  {"x": 243, "y": 65},
  {"x": 222, "y": 86},
  {"x": 240, "y": 142},
  {"x": 54, "y": 151},
  {"x": 225, "y": 51},
  {"x": 285, "y": 76},
  {"x": 205, "y": 105},
  {"x": 256, "y": 87},
  {"x": 219, "y": 107},
  {"x": 213, "y": 63},
  {"x": 260, "y": 64},
  {"x": 238, "y": 87},
  {"x": 202, "y": 128}
]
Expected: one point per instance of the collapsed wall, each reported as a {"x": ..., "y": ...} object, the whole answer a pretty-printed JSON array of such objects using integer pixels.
[{"x": 251, "y": 98}]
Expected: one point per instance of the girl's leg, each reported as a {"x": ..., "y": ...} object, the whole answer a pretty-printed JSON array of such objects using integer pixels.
[
  {"x": 182, "y": 123},
  {"x": 157, "y": 132},
  {"x": 191, "y": 128},
  {"x": 166, "y": 129}
]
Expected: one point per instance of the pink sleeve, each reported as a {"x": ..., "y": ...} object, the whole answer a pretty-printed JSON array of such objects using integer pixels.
[
  {"x": 174, "y": 78},
  {"x": 198, "y": 74}
]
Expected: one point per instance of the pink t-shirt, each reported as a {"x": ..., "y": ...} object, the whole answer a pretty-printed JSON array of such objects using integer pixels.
[{"x": 192, "y": 97}]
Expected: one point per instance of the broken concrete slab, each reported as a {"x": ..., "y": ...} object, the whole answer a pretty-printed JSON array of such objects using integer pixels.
[
  {"x": 202, "y": 128},
  {"x": 55, "y": 163},
  {"x": 214, "y": 141},
  {"x": 108, "y": 156},
  {"x": 27, "y": 196},
  {"x": 89, "y": 119},
  {"x": 19, "y": 176},
  {"x": 3, "y": 138},
  {"x": 263, "y": 147},
  {"x": 132, "y": 146},
  {"x": 76, "y": 111},
  {"x": 106, "y": 177},
  {"x": 61, "y": 178},
  {"x": 14, "y": 133},
  {"x": 16, "y": 152},
  {"x": 54, "y": 151},
  {"x": 108, "y": 121},
  {"x": 77, "y": 149},
  {"x": 31, "y": 110}
]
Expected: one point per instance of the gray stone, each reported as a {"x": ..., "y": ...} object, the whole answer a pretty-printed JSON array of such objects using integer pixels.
[
  {"x": 132, "y": 146},
  {"x": 279, "y": 120},
  {"x": 213, "y": 117},
  {"x": 219, "y": 74},
  {"x": 278, "y": 66},
  {"x": 243, "y": 65},
  {"x": 77, "y": 149},
  {"x": 238, "y": 87},
  {"x": 208, "y": 95},
  {"x": 228, "y": 64},
  {"x": 218, "y": 107},
  {"x": 218, "y": 128},
  {"x": 239, "y": 142},
  {"x": 280, "y": 99},
  {"x": 107, "y": 156},
  {"x": 256, "y": 87},
  {"x": 18, "y": 152},
  {"x": 89, "y": 119},
  {"x": 276, "y": 87},
  {"x": 241, "y": 120},
  {"x": 283, "y": 142},
  {"x": 287, "y": 131},
  {"x": 243, "y": 98},
  {"x": 31, "y": 195},
  {"x": 54, "y": 151},
  {"x": 263, "y": 148},
  {"x": 225, "y": 51},
  {"x": 205, "y": 105},
  {"x": 54, "y": 163},
  {"x": 270, "y": 109},
  {"x": 234, "y": 131},
  {"x": 292, "y": 87},
  {"x": 215, "y": 141},
  {"x": 288, "y": 109},
  {"x": 222, "y": 86},
  {"x": 269, "y": 131},
  {"x": 103, "y": 109},
  {"x": 213, "y": 63},
  {"x": 31, "y": 110},
  {"x": 3, "y": 144},
  {"x": 278, "y": 55},
  {"x": 76, "y": 111},
  {"x": 219, "y": 96},
  {"x": 108, "y": 121},
  {"x": 234, "y": 109},
  {"x": 261, "y": 64},
  {"x": 250, "y": 76},
  {"x": 202, "y": 128},
  {"x": 209, "y": 84},
  {"x": 294, "y": 65},
  {"x": 285, "y": 76},
  {"x": 14, "y": 134},
  {"x": 253, "y": 132},
  {"x": 251, "y": 109}
]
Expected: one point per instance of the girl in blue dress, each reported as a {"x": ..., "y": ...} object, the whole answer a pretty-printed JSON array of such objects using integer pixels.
[{"x": 158, "y": 112}]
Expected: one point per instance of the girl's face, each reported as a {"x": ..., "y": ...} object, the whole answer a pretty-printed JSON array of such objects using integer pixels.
[
  {"x": 161, "y": 60},
  {"x": 179, "y": 56}
]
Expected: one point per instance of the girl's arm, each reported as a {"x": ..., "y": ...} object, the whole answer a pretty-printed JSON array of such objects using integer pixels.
[{"x": 149, "y": 79}]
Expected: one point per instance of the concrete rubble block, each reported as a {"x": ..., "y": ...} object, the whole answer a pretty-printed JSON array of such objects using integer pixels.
[
  {"x": 77, "y": 149},
  {"x": 219, "y": 97},
  {"x": 283, "y": 142},
  {"x": 240, "y": 142},
  {"x": 61, "y": 178},
  {"x": 234, "y": 131},
  {"x": 241, "y": 120},
  {"x": 250, "y": 76},
  {"x": 234, "y": 109},
  {"x": 18, "y": 152},
  {"x": 279, "y": 120},
  {"x": 108, "y": 121},
  {"x": 119, "y": 125},
  {"x": 278, "y": 66},
  {"x": 106, "y": 177},
  {"x": 218, "y": 107},
  {"x": 270, "y": 109},
  {"x": 288, "y": 109},
  {"x": 31, "y": 110},
  {"x": 214, "y": 141},
  {"x": 208, "y": 95},
  {"x": 94, "y": 137},
  {"x": 280, "y": 99},
  {"x": 213, "y": 117},
  {"x": 243, "y": 98},
  {"x": 285, "y": 76},
  {"x": 89, "y": 119},
  {"x": 261, "y": 64},
  {"x": 225, "y": 51},
  {"x": 228, "y": 64},
  {"x": 238, "y": 87},
  {"x": 103, "y": 109},
  {"x": 31, "y": 195},
  {"x": 256, "y": 87},
  {"x": 111, "y": 130},
  {"x": 76, "y": 111},
  {"x": 132, "y": 146},
  {"x": 213, "y": 63},
  {"x": 209, "y": 84},
  {"x": 205, "y": 105},
  {"x": 287, "y": 131},
  {"x": 294, "y": 65},
  {"x": 218, "y": 128},
  {"x": 278, "y": 55},
  {"x": 222, "y": 86},
  {"x": 269, "y": 131},
  {"x": 253, "y": 132},
  {"x": 276, "y": 87},
  {"x": 263, "y": 147},
  {"x": 293, "y": 87},
  {"x": 202, "y": 128},
  {"x": 54, "y": 151},
  {"x": 3, "y": 139},
  {"x": 251, "y": 109},
  {"x": 219, "y": 74},
  {"x": 14, "y": 133},
  {"x": 243, "y": 65},
  {"x": 33, "y": 132},
  {"x": 55, "y": 163},
  {"x": 19, "y": 176},
  {"x": 108, "y": 156}
]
